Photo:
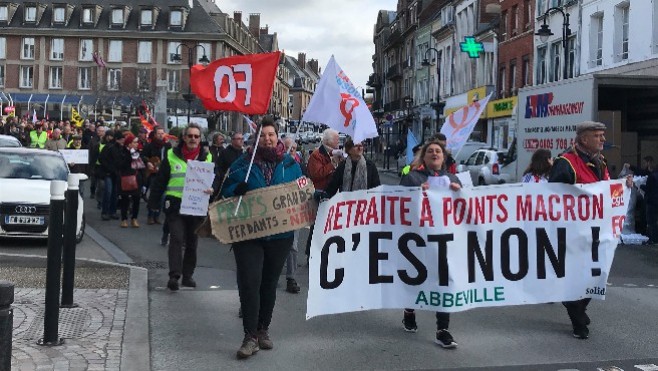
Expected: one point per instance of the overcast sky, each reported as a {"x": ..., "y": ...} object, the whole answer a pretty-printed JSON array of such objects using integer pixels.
[{"x": 320, "y": 28}]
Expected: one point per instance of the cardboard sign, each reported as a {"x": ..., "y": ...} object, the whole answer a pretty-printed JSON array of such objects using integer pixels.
[
  {"x": 264, "y": 212},
  {"x": 75, "y": 156}
]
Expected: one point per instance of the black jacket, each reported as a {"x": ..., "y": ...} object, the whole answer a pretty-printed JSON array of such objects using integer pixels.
[
  {"x": 336, "y": 182},
  {"x": 159, "y": 183}
]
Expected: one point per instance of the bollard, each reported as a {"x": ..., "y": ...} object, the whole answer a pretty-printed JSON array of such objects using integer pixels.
[
  {"x": 68, "y": 256},
  {"x": 54, "y": 262},
  {"x": 6, "y": 323}
]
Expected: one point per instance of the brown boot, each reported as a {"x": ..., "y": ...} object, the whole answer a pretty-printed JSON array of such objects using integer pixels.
[
  {"x": 150, "y": 221},
  {"x": 134, "y": 223},
  {"x": 124, "y": 224}
]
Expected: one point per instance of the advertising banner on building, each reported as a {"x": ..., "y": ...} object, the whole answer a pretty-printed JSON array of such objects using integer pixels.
[{"x": 440, "y": 250}]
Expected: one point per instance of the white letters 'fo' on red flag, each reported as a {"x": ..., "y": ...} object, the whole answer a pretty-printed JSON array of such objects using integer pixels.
[
  {"x": 241, "y": 83},
  {"x": 339, "y": 105}
]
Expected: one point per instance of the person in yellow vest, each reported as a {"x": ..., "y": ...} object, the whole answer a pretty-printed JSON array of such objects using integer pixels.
[
  {"x": 38, "y": 137},
  {"x": 170, "y": 180}
]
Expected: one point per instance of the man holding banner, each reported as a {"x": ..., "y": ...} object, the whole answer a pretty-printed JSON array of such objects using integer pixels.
[
  {"x": 259, "y": 261},
  {"x": 583, "y": 163}
]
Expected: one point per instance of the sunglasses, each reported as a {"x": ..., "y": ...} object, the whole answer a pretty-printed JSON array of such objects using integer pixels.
[{"x": 193, "y": 136}]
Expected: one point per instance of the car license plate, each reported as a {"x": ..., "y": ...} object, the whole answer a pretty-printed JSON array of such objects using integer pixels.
[{"x": 22, "y": 219}]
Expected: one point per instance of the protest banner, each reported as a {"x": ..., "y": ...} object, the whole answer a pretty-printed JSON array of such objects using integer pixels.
[
  {"x": 75, "y": 156},
  {"x": 264, "y": 212},
  {"x": 449, "y": 251},
  {"x": 198, "y": 177}
]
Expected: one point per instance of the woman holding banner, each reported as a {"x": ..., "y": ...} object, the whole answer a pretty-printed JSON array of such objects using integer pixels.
[
  {"x": 431, "y": 171},
  {"x": 259, "y": 261},
  {"x": 354, "y": 174}
]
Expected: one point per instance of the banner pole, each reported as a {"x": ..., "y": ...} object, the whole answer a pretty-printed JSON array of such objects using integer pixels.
[{"x": 253, "y": 155}]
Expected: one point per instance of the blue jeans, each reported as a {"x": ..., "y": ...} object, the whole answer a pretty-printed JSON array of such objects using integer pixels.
[{"x": 109, "y": 196}]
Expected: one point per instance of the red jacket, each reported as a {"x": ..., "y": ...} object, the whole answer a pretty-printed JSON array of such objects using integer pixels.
[{"x": 319, "y": 168}]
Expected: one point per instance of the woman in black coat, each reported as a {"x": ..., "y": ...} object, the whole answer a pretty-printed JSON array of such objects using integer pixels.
[
  {"x": 355, "y": 173},
  {"x": 129, "y": 163}
]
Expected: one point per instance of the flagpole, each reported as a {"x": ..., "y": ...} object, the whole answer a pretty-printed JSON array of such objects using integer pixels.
[{"x": 253, "y": 155}]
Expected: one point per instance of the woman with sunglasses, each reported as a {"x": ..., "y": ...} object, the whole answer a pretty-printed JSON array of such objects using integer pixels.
[
  {"x": 170, "y": 180},
  {"x": 355, "y": 173},
  {"x": 259, "y": 261}
]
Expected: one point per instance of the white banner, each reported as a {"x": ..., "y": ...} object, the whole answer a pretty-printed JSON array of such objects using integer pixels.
[
  {"x": 440, "y": 250},
  {"x": 75, "y": 156},
  {"x": 198, "y": 177}
]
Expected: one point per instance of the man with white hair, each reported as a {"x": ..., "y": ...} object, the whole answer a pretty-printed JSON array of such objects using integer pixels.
[
  {"x": 56, "y": 142},
  {"x": 321, "y": 166}
]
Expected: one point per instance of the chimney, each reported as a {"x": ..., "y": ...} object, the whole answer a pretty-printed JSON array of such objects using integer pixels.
[
  {"x": 313, "y": 64},
  {"x": 265, "y": 30},
  {"x": 237, "y": 17},
  {"x": 301, "y": 60},
  {"x": 254, "y": 24}
]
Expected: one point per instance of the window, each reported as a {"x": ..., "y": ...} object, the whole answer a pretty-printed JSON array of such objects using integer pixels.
[
  {"x": 26, "y": 77},
  {"x": 571, "y": 45},
  {"x": 84, "y": 78},
  {"x": 28, "y": 48},
  {"x": 59, "y": 15},
  {"x": 87, "y": 15},
  {"x": 144, "y": 50},
  {"x": 176, "y": 18},
  {"x": 55, "y": 77},
  {"x": 86, "y": 49},
  {"x": 57, "y": 49},
  {"x": 541, "y": 7},
  {"x": 623, "y": 31},
  {"x": 527, "y": 15},
  {"x": 515, "y": 21},
  {"x": 4, "y": 13},
  {"x": 30, "y": 14},
  {"x": 115, "y": 51},
  {"x": 171, "y": 52},
  {"x": 2, "y": 75},
  {"x": 117, "y": 16},
  {"x": 541, "y": 65},
  {"x": 146, "y": 17},
  {"x": 173, "y": 81},
  {"x": 512, "y": 77},
  {"x": 503, "y": 26},
  {"x": 3, "y": 47},
  {"x": 525, "y": 71},
  {"x": 556, "y": 52},
  {"x": 113, "y": 79},
  {"x": 502, "y": 79},
  {"x": 144, "y": 79},
  {"x": 596, "y": 40}
]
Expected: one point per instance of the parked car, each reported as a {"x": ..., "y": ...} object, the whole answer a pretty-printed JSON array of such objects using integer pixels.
[
  {"x": 487, "y": 166},
  {"x": 467, "y": 150},
  {"x": 25, "y": 176},
  {"x": 9, "y": 141}
]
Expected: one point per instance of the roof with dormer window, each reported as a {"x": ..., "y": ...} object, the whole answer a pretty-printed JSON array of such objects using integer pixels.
[{"x": 197, "y": 20}]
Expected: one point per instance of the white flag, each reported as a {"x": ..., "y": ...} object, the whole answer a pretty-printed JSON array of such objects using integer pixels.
[
  {"x": 34, "y": 116},
  {"x": 459, "y": 124},
  {"x": 339, "y": 105},
  {"x": 252, "y": 125}
]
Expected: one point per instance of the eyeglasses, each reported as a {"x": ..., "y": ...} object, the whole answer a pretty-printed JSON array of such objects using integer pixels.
[{"x": 193, "y": 136}]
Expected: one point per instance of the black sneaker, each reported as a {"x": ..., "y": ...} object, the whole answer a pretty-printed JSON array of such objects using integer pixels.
[
  {"x": 581, "y": 332},
  {"x": 292, "y": 286},
  {"x": 445, "y": 340},
  {"x": 188, "y": 282},
  {"x": 173, "y": 284},
  {"x": 409, "y": 322},
  {"x": 249, "y": 347}
]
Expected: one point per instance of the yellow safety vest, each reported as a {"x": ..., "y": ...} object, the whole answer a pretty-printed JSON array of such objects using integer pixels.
[
  {"x": 38, "y": 141},
  {"x": 178, "y": 167},
  {"x": 406, "y": 170},
  {"x": 100, "y": 149}
]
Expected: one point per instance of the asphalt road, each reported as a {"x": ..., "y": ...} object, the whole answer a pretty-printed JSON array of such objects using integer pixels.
[{"x": 199, "y": 329}]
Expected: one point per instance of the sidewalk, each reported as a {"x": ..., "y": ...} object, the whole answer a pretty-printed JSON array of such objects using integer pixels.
[{"x": 107, "y": 331}]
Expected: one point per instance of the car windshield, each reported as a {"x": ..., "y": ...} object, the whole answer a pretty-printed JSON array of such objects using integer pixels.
[
  {"x": 32, "y": 166},
  {"x": 9, "y": 142}
]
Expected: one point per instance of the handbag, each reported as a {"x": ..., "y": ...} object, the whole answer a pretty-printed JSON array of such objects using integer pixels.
[{"x": 129, "y": 183}]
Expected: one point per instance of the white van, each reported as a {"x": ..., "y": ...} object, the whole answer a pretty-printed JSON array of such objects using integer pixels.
[{"x": 467, "y": 150}]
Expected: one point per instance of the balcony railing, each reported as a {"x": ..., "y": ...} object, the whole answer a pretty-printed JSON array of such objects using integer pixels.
[
  {"x": 374, "y": 81},
  {"x": 393, "y": 72}
]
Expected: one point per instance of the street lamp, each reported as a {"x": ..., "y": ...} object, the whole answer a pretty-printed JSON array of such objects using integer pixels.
[
  {"x": 545, "y": 32},
  {"x": 189, "y": 97},
  {"x": 438, "y": 105}
]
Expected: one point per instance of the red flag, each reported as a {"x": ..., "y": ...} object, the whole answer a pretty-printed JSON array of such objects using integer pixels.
[
  {"x": 98, "y": 59},
  {"x": 241, "y": 83}
]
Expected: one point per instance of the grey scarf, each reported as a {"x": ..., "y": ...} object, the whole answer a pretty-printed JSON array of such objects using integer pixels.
[{"x": 360, "y": 180}]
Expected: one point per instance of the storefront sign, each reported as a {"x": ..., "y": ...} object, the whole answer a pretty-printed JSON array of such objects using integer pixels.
[{"x": 501, "y": 107}]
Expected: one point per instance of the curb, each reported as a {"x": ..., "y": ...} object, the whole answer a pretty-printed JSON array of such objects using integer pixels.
[
  {"x": 135, "y": 345},
  {"x": 113, "y": 250}
]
